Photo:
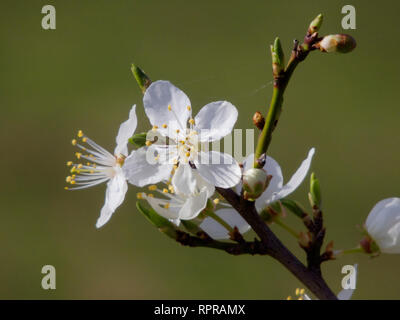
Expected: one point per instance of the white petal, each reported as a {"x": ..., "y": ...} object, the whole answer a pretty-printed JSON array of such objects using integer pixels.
[
  {"x": 203, "y": 185},
  {"x": 215, "y": 120},
  {"x": 272, "y": 167},
  {"x": 193, "y": 206},
  {"x": 115, "y": 194},
  {"x": 230, "y": 216},
  {"x": 158, "y": 205},
  {"x": 346, "y": 294},
  {"x": 161, "y": 94},
  {"x": 126, "y": 131},
  {"x": 184, "y": 181},
  {"x": 219, "y": 169},
  {"x": 140, "y": 172},
  {"x": 383, "y": 224},
  {"x": 297, "y": 178}
]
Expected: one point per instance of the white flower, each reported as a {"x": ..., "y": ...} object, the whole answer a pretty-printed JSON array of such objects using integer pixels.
[
  {"x": 345, "y": 294},
  {"x": 274, "y": 192},
  {"x": 102, "y": 166},
  {"x": 383, "y": 225},
  {"x": 177, "y": 206},
  {"x": 170, "y": 113}
]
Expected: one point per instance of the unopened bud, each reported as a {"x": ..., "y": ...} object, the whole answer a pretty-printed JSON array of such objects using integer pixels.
[
  {"x": 342, "y": 43},
  {"x": 315, "y": 25},
  {"x": 304, "y": 240},
  {"x": 255, "y": 181},
  {"x": 258, "y": 120}
]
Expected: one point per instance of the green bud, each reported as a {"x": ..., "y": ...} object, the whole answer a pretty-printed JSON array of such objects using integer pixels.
[
  {"x": 278, "y": 58},
  {"x": 294, "y": 207},
  {"x": 342, "y": 43},
  {"x": 315, "y": 25},
  {"x": 138, "y": 139},
  {"x": 163, "y": 224},
  {"x": 255, "y": 181},
  {"x": 315, "y": 191},
  {"x": 141, "y": 78}
]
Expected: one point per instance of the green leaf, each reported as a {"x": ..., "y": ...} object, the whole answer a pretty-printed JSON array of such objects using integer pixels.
[
  {"x": 294, "y": 207},
  {"x": 163, "y": 224},
  {"x": 315, "y": 191},
  {"x": 138, "y": 139},
  {"x": 141, "y": 78}
]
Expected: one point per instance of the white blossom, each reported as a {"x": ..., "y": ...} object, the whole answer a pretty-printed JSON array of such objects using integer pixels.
[
  {"x": 170, "y": 113},
  {"x": 102, "y": 166},
  {"x": 383, "y": 225}
]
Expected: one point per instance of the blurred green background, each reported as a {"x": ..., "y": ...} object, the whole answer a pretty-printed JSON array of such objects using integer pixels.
[{"x": 78, "y": 77}]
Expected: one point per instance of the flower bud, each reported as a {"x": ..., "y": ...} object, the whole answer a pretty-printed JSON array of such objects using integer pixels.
[
  {"x": 383, "y": 225},
  {"x": 255, "y": 181},
  {"x": 258, "y": 120},
  {"x": 342, "y": 43},
  {"x": 315, "y": 25}
]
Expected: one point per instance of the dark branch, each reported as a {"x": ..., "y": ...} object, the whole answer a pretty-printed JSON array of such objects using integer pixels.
[{"x": 274, "y": 247}]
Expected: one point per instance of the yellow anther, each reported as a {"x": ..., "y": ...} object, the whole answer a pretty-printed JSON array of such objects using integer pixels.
[
  {"x": 189, "y": 108},
  {"x": 80, "y": 134},
  {"x": 66, "y": 188},
  {"x": 166, "y": 206},
  {"x": 80, "y": 166},
  {"x": 150, "y": 195},
  {"x": 165, "y": 190},
  {"x": 187, "y": 154},
  {"x": 174, "y": 167},
  {"x": 155, "y": 127},
  {"x": 74, "y": 142},
  {"x": 216, "y": 201},
  {"x": 302, "y": 291},
  {"x": 148, "y": 143},
  {"x": 171, "y": 188},
  {"x": 182, "y": 141},
  {"x": 72, "y": 182},
  {"x": 153, "y": 187},
  {"x": 69, "y": 163},
  {"x": 139, "y": 195},
  {"x": 78, "y": 155},
  {"x": 68, "y": 179},
  {"x": 169, "y": 108},
  {"x": 177, "y": 130},
  {"x": 84, "y": 139},
  {"x": 289, "y": 298},
  {"x": 164, "y": 126},
  {"x": 88, "y": 163},
  {"x": 92, "y": 171},
  {"x": 297, "y": 291},
  {"x": 191, "y": 121}
]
